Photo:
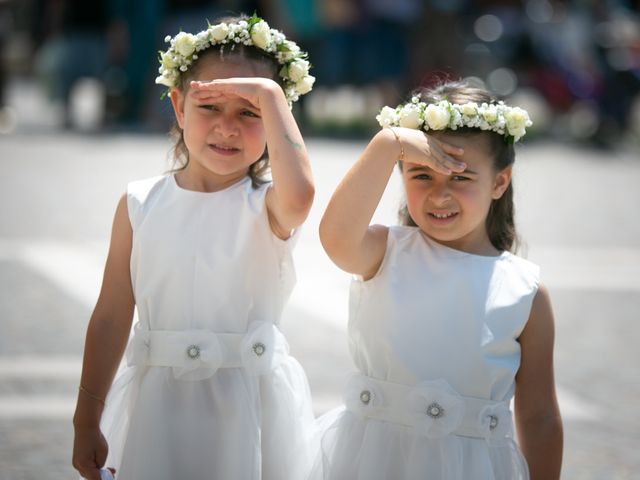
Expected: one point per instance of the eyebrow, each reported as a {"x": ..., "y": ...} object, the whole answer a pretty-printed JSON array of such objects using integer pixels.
[
  {"x": 245, "y": 104},
  {"x": 423, "y": 168}
]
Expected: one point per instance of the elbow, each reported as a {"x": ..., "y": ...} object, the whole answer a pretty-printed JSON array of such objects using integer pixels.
[
  {"x": 306, "y": 197},
  {"x": 333, "y": 243},
  {"x": 326, "y": 234},
  {"x": 295, "y": 207},
  {"x": 300, "y": 204}
]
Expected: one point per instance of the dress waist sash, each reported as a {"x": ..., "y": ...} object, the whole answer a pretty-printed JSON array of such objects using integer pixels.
[
  {"x": 202, "y": 352},
  {"x": 431, "y": 408}
]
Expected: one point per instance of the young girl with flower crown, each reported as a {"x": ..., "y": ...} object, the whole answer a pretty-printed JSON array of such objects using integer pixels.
[
  {"x": 204, "y": 254},
  {"x": 446, "y": 324}
]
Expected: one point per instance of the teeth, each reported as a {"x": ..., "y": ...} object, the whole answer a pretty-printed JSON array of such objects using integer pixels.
[{"x": 443, "y": 215}]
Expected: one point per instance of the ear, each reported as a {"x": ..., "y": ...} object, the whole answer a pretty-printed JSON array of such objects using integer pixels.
[
  {"x": 177, "y": 101},
  {"x": 501, "y": 182}
]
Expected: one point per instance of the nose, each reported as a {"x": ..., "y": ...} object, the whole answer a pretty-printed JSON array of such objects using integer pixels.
[
  {"x": 439, "y": 194},
  {"x": 227, "y": 126}
]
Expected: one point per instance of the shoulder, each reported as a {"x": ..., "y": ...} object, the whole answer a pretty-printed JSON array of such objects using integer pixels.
[
  {"x": 140, "y": 189},
  {"x": 139, "y": 193},
  {"x": 260, "y": 191},
  {"x": 384, "y": 243},
  {"x": 538, "y": 334},
  {"x": 523, "y": 271},
  {"x": 541, "y": 306},
  {"x": 401, "y": 234}
]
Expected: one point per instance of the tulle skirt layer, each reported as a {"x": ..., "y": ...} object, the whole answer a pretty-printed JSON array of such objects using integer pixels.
[
  {"x": 232, "y": 425},
  {"x": 353, "y": 447}
]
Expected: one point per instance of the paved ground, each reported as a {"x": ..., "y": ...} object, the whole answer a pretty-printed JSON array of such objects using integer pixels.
[{"x": 577, "y": 211}]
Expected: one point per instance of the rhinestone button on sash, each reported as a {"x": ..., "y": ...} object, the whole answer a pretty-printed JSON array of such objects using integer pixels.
[
  {"x": 193, "y": 351},
  {"x": 493, "y": 422},
  {"x": 259, "y": 349},
  {"x": 365, "y": 397},
  {"x": 435, "y": 410}
]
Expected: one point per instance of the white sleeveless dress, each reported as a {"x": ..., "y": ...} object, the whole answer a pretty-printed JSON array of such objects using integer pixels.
[
  {"x": 434, "y": 338},
  {"x": 210, "y": 391}
]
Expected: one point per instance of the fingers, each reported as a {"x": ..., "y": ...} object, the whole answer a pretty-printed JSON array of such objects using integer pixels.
[
  {"x": 441, "y": 152},
  {"x": 101, "y": 453},
  {"x": 90, "y": 454},
  {"x": 212, "y": 85},
  {"x": 215, "y": 88},
  {"x": 442, "y": 162},
  {"x": 90, "y": 473},
  {"x": 225, "y": 85}
]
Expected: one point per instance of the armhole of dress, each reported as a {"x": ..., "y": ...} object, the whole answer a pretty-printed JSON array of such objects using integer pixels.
[
  {"x": 391, "y": 240},
  {"x": 283, "y": 249},
  {"x": 534, "y": 272},
  {"x": 131, "y": 209},
  {"x": 286, "y": 245}
]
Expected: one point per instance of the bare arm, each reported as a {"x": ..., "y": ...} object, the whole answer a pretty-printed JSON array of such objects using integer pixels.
[
  {"x": 106, "y": 340},
  {"x": 345, "y": 233},
  {"x": 291, "y": 195},
  {"x": 537, "y": 413}
]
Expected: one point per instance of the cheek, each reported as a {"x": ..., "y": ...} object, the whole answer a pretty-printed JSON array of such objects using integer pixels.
[
  {"x": 257, "y": 135},
  {"x": 476, "y": 198},
  {"x": 414, "y": 195}
]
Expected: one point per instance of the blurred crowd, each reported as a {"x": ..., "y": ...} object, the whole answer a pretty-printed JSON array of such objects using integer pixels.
[{"x": 574, "y": 64}]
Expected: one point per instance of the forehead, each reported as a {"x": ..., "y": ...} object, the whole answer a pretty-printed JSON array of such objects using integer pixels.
[
  {"x": 476, "y": 147},
  {"x": 213, "y": 67}
]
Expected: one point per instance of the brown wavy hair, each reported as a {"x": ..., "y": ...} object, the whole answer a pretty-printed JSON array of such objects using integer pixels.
[
  {"x": 258, "y": 170},
  {"x": 500, "y": 223}
]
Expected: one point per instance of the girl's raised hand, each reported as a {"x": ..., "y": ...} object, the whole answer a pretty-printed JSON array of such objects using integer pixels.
[
  {"x": 251, "y": 89},
  {"x": 424, "y": 149}
]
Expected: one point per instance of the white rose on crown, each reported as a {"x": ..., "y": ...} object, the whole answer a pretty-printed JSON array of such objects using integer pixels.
[
  {"x": 490, "y": 113},
  {"x": 168, "y": 61},
  {"x": 305, "y": 84},
  {"x": 219, "y": 32},
  {"x": 409, "y": 116},
  {"x": 185, "y": 44},
  {"x": 517, "y": 117},
  {"x": 387, "y": 117},
  {"x": 436, "y": 116},
  {"x": 261, "y": 34},
  {"x": 469, "y": 109},
  {"x": 298, "y": 69}
]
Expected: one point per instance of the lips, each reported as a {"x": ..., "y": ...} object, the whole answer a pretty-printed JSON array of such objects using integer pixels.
[
  {"x": 442, "y": 217},
  {"x": 222, "y": 149}
]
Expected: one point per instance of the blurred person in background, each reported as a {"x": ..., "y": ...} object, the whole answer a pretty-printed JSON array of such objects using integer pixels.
[
  {"x": 71, "y": 43},
  {"x": 5, "y": 28}
]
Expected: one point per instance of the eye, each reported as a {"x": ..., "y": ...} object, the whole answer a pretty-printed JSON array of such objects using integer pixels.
[
  {"x": 250, "y": 114},
  {"x": 460, "y": 178},
  {"x": 210, "y": 108},
  {"x": 422, "y": 176}
]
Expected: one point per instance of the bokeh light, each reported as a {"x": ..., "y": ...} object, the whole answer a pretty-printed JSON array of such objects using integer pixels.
[
  {"x": 488, "y": 28},
  {"x": 502, "y": 81}
]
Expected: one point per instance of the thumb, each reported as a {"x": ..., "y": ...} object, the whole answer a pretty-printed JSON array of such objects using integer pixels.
[{"x": 101, "y": 453}]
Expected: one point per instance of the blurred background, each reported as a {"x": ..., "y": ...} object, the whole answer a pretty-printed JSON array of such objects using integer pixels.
[
  {"x": 80, "y": 116},
  {"x": 574, "y": 64}
]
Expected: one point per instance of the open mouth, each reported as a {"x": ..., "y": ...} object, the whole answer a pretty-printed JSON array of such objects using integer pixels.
[
  {"x": 224, "y": 149},
  {"x": 443, "y": 216}
]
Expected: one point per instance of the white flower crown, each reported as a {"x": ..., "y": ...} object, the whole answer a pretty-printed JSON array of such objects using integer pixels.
[
  {"x": 496, "y": 117},
  {"x": 251, "y": 32}
]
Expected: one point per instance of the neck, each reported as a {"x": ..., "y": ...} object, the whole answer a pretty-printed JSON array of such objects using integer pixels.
[
  {"x": 473, "y": 244},
  {"x": 206, "y": 181}
]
